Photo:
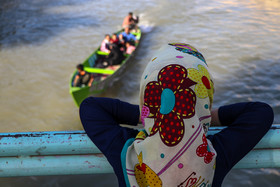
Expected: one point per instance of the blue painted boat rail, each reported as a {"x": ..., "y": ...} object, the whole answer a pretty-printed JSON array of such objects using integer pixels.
[{"x": 72, "y": 152}]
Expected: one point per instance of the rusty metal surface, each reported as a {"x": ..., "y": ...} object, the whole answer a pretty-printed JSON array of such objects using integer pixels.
[{"x": 46, "y": 143}]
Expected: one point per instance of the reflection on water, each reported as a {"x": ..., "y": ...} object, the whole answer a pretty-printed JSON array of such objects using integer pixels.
[{"x": 42, "y": 41}]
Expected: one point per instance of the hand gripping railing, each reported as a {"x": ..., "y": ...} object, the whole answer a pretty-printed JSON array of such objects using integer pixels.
[{"x": 72, "y": 152}]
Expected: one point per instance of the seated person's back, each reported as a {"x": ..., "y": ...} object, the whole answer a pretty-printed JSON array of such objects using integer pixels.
[
  {"x": 116, "y": 55},
  {"x": 127, "y": 36}
]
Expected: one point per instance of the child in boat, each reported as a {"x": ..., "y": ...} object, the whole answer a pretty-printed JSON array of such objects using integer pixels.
[
  {"x": 173, "y": 149},
  {"x": 129, "y": 48},
  {"x": 105, "y": 44}
]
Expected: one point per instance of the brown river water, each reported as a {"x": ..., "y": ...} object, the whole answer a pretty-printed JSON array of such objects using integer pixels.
[{"x": 42, "y": 41}]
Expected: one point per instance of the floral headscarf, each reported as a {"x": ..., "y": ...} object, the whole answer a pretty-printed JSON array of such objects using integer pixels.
[{"x": 176, "y": 94}]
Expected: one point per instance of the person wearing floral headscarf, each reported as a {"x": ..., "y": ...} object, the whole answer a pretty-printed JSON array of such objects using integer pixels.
[{"x": 173, "y": 149}]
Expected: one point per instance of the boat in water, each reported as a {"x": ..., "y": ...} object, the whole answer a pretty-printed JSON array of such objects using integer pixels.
[{"x": 106, "y": 76}]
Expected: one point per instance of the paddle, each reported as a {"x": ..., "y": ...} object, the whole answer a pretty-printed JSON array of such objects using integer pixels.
[{"x": 99, "y": 70}]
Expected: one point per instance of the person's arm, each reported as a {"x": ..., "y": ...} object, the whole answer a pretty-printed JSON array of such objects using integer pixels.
[
  {"x": 255, "y": 113},
  {"x": 134, "y": 38},
  {"x": 228, "y": 114},
  {"x": 215, "y": 121},
  {"x": 101, "y": 118},
  {"x": 75, "y": 80},
  {"x": 246, "y": 124},
  {"x": 108, "y": 111},
  {"x": 103, "y": 47},
  {"x": 131, "y": 21},
  {"x": 90, "y": 80}
]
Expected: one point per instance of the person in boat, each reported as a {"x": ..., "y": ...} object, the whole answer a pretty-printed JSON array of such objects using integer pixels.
[
  {"x": 128, "y": 36},
  {"x": 121, "y": 44},
  {"x": 130, "y": 21},
  {"x": 115, "y": 56},
  {"x": 129, "y": 48},
  {"x": 173, "y": 149},
  {"x": 83, "y": 78},
  {"x": 114, "y": 39},
  {"x": 105, "y": 44}
]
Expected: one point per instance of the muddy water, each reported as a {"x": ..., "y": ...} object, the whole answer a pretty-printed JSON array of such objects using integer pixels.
[{"x": 42, "y": 41}]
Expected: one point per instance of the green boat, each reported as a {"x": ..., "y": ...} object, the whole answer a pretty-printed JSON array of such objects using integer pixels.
[{"x": 99, "y": 86}]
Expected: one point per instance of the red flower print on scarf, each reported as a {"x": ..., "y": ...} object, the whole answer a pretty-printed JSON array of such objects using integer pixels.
[
  {"x": 204, "y": 151},
  {"x": 170, "y": 100}
]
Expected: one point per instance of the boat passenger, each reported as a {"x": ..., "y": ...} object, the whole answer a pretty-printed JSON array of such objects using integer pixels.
[
  {"x": 128, "y": 36},
  {"x": 114, "y": 39},
  {"x": 173, "y": 149},
  {"x": 83, "y": 78},
  {"x": 105, "y": 44},
  {"x": 129, "y": 48},
  {"x": 115, "y": 56},
  {"x": 130, "y": 21},
  {"x": 122, "y": 43}
]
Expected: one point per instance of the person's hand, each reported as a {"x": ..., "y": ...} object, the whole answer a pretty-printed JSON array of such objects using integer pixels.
[
  {"x": 215, "y": 121},
  {"x": 105, "y": 63}
]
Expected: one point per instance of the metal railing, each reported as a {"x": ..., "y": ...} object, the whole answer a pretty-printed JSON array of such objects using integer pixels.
[{"x": 72, "y": 152}]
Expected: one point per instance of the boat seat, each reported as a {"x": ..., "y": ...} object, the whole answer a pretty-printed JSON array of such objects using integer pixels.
[{"x": 102, "y": 53}]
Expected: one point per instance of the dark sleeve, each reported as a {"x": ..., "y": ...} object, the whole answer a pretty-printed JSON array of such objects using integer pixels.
[
  {"x": 101, "y": 118},
  {"x": 108, "y": 110},
  {"x": 251, "y": 112},
  {"x": 247, "y": 124}
]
